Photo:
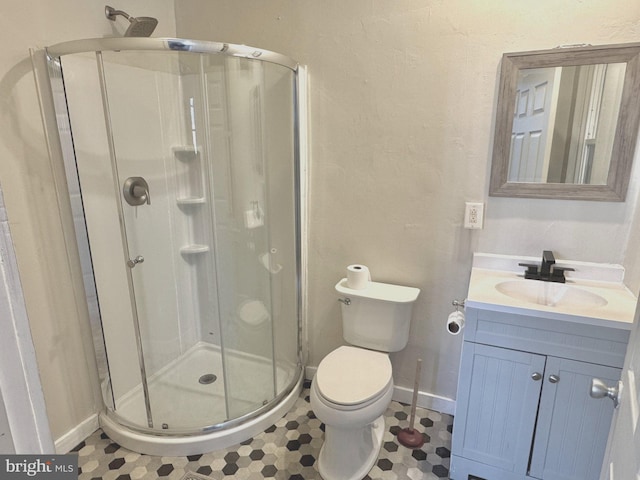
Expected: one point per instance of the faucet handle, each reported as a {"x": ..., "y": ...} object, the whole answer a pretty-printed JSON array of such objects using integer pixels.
[
  {"x": 530, "y": 266},
  {"x": 563, "y": 269},
  {"x": 532, "y": 270},
  {"x": 557, "y": 273}
]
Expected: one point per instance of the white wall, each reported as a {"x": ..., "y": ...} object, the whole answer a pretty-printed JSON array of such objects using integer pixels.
[
  {"x": 23, "y": 422},
  {"x": 402, "y": 99},
  {"x": 58, "y": 322},
  {"x": 402, "y": 109},
  {"x": 6, "y": 441}
]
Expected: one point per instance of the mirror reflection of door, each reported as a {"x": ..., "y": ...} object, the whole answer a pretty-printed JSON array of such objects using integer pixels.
[
  {"x": 586, "y": 108},
  {"x": 533, "y": 119},
  {"x": 579, "y": 139},
  {"x": 564, "y": 123}
]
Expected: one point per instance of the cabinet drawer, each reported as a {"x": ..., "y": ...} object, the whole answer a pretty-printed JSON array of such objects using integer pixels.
[{"x": 576, "y": 341}]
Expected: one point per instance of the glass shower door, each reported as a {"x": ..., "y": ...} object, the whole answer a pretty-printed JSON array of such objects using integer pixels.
[
  {"x": 194, "y": 209},
  {"x": 189, "y": 198},
  {"x": 232, "y": 121},
  {"x": 251, "y": 139},
  {"x": 165, "y": 209}
]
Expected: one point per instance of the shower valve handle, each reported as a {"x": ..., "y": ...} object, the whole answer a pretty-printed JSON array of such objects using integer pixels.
[
  {"x": 133, "y": 262},
  {"x": 136, "y": 191}
]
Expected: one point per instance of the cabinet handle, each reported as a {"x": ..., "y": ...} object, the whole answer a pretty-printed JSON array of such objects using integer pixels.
[
  {"x": 554, "y": 378},
  {"x": 536, "y": 376}
]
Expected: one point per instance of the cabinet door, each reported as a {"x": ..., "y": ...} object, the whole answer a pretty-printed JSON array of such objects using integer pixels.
[
  {"x": 496, "y": 406},
  {"x": 572, "y": 430}
]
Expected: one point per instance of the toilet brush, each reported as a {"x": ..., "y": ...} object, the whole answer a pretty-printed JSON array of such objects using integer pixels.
[{"x": 410, "y": 437}]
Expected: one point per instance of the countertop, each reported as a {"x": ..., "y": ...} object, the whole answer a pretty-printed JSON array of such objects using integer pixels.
[{"x": 491, "y": 270}]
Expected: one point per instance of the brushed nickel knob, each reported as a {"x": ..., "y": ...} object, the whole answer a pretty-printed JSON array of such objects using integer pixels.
[{"x": 599, "y": 389}]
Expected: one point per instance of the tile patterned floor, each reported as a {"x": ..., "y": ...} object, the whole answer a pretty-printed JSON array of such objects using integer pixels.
[{"x": 287, "y": 450}]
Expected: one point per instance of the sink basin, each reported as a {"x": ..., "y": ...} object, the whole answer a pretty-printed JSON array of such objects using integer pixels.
[{"x": 550, "y": 294}]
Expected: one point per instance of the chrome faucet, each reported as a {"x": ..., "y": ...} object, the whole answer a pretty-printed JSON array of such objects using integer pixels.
[{"x": 547, "y": 271}]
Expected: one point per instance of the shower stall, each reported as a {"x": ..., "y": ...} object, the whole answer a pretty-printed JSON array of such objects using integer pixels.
[{"x": 182, "y": 163}]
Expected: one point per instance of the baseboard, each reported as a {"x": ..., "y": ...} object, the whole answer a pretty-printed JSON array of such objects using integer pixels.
[
  {"x": 405, "y": 395},
  {"x": 310, "y": 372},
  {"x": 425, "y": 400},
  {"x": 73, "y": 437}
]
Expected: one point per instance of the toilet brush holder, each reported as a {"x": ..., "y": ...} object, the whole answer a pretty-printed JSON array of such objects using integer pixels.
[{"x": 410, "y": 437}]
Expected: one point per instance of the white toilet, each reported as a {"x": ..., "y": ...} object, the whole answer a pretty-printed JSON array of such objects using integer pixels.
[{"x": 352, "y": 387}]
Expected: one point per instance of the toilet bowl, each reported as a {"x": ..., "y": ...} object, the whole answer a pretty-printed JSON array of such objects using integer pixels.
[
  {"x": 353, "y": 385},
  {"x": 349, "y": 394}
]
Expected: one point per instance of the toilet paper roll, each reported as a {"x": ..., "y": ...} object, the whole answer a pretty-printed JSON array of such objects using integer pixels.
[
  {"x": 358, "y": 277},
  {"x": 455, "y": 322}
]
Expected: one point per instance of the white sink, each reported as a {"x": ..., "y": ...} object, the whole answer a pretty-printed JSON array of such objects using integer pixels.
[{"x": 550, "y": 294}]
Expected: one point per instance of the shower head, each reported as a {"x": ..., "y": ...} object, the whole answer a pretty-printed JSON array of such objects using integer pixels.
[{"x": 138, "y": 27}]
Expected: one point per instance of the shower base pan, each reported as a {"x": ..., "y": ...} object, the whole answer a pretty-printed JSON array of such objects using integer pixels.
[{"x": 179, "y": 399}]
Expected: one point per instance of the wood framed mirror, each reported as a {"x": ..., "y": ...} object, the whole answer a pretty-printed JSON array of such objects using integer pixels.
[{"x": 567, "y": 123}]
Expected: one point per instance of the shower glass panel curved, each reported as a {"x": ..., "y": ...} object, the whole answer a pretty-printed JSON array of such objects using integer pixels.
[{"x": 186, "y": 168}]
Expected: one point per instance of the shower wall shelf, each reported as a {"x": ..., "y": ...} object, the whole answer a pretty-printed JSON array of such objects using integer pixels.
[
  {"x": 186, "y": 152},
  {"x": 194, "y": 249},
  {"x": 189, "y": 172},
  {"x": 190, "y": 195}
]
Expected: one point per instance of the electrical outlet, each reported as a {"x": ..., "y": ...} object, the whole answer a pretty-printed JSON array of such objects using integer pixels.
[{"x": 473, "y": 215}]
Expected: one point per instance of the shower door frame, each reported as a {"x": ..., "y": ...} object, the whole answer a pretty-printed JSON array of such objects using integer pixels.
[{"x": 97, "y": 45}]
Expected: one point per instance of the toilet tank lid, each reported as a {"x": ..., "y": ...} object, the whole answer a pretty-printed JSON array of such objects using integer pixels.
[{"x": 380, "y": 291}]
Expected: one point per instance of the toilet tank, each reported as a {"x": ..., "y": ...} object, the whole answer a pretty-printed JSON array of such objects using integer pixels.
[{"x": 377, "y": 317}]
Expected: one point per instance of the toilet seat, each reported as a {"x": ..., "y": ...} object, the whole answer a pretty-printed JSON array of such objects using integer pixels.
[{"x": 351, "y": 377}]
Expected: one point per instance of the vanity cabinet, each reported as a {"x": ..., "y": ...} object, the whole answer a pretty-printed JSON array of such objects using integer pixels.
[{"x": 523, "y": 408}]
